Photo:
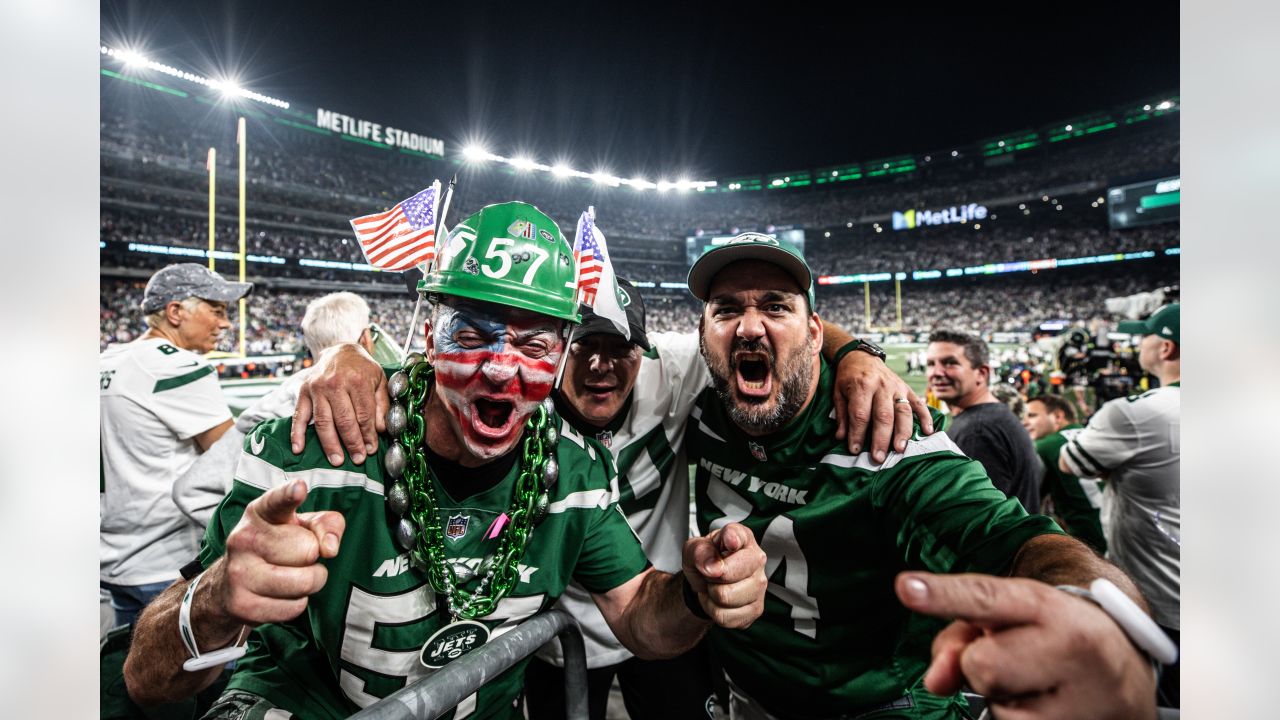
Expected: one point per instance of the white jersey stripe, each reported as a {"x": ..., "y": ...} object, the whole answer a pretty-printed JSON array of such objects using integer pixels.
[
  {"x": 261, "y": 474},
  {"x": 696, "y": 414},
  {"x": 937, "y": 442},
  {"x": 584, "y": 499}
]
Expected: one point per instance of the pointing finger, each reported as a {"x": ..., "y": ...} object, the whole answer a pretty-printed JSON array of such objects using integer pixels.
[
  {"x": 278, "y": 505},
  {"x": 983, "y": 600}
]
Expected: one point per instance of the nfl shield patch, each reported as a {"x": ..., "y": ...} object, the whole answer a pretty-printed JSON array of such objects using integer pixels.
[
  {"x": 606, "y": 438},
  {"x": 757, "y": 451},
  {"x": 457, "y": 526}
]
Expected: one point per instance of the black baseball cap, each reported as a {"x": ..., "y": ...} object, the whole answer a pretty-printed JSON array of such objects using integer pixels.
[{"x": 632, "y": 304}]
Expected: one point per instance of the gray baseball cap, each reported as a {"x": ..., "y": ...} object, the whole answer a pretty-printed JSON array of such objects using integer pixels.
[{"x": 184, "y": 280}]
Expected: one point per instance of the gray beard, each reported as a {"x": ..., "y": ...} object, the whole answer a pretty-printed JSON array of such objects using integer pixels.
[{"x": 755, "y": 418}]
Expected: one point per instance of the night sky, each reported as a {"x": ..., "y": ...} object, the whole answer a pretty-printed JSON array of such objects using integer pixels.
[{"x": 698, "y": 92}]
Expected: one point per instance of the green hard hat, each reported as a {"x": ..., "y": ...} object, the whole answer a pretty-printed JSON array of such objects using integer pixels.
[{"x": 511, "y": 254}]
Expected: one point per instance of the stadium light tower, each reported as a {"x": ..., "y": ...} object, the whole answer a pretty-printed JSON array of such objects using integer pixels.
[
  {"x": 522, "y": 163},
  {"x": 475, "y": 153},
  {"x": 560, "y": 170}
]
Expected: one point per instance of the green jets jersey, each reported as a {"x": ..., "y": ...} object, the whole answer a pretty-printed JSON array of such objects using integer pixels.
[
  {"x": 837, "y": 528},
  {"x": 361, "y": 635},
  {"x": 1075, "y": 500}
]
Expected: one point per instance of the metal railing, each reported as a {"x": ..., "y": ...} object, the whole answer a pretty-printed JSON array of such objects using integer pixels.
[{"x": 433, "y": 696}]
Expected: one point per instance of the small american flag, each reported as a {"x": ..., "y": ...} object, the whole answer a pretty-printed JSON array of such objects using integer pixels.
[
  {"x": 589, "y": 258},
  {"x": 402, "y": 237},
  {"x": 595, "y": 270}
]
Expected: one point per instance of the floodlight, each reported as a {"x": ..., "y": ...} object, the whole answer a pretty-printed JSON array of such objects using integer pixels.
[
  {"x": 1001, "y": 143},
  {"x": 1146, "y": 108},
  {"x": 132, "y": 58},
  {"x": 1067, "y": 128},
  {"x": 475, "y": 153},
  {"x": 1164, "y": 105},
  {"x": 640, "y": 183},
  {"x": 826, "y": 234},
  {"x": 1101, "y": 200},
  {"x": 927, "y": 158},
  {"x": 955, "y": 153},
  {"x": 848, "y": 225},
  {"x": 977, "y": 226},
  {"x": 682, "y": 184},
  {"x": 521, "y": 162}
]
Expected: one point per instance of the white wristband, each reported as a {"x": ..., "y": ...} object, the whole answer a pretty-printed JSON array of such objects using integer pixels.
[
  {"x": 1141, "y": 629},
  {"x": 199, "y": 662}
]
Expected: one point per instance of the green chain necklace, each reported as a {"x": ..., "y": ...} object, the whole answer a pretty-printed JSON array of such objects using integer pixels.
[{"x": 412, "y": 497}]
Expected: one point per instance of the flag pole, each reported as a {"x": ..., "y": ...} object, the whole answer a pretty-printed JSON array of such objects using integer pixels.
[
  {"x": 240, "y": 140},
  {"x": 440, "y": 232},
  {"x": 211, "y": 164}
]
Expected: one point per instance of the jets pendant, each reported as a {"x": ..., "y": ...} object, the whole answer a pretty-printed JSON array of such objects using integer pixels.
[{"x": 452, "y": 642}]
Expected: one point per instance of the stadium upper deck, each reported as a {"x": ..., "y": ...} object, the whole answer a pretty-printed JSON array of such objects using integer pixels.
[{"x": 306, "y": 181}]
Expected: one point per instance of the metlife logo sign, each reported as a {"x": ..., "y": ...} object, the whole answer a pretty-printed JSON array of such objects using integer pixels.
[{"x": 912, "y": 219}]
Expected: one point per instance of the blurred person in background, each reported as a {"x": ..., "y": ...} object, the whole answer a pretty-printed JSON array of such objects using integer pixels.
[
  {"x": 160, "y": 408},
  {"x": 1133, "y": 444},
  {"x": 959, "y": 372},
  {"x": 1071, "y": 500},
  {"x": 329, "y": 320}
]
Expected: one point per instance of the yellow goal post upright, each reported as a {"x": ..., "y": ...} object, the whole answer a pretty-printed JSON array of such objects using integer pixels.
[
  {"x": 866, "y": 306},
  {"x": 212, "y": 166},
  {"x": 240, "y": 141}
]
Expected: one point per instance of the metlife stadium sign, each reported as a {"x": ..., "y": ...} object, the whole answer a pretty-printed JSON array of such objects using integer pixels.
[
  {"x": 912, "y": 219},
  {"x": 376, "y": 132}
]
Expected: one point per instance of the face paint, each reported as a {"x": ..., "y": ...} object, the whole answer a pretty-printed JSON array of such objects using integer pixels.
[{"x": 493, "y": 366}]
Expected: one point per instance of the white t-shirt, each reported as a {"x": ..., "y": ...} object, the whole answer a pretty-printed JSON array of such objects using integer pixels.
[
  {"x": 1133, "y": 441},
  {"x": 155, "y": 398},
  {"x": 653, "y": 478}
]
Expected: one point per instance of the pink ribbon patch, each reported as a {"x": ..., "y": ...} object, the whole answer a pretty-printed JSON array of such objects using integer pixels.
[{"x": 496, "y": 526}]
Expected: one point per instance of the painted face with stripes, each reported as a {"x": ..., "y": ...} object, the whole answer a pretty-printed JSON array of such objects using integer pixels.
[{"x": 494, "y": 364}]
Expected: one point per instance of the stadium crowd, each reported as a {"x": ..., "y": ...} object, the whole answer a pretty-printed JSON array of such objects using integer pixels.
[
  {"x": 304, "y": 187},
  {"x": 980, "y": 306}
]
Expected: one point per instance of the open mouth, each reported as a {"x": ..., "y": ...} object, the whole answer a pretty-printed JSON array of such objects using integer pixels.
[
  {"x": 493, "y": 414},
  {"x": 754, "y": 378},
  {"x": 599, "y": 391}
]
